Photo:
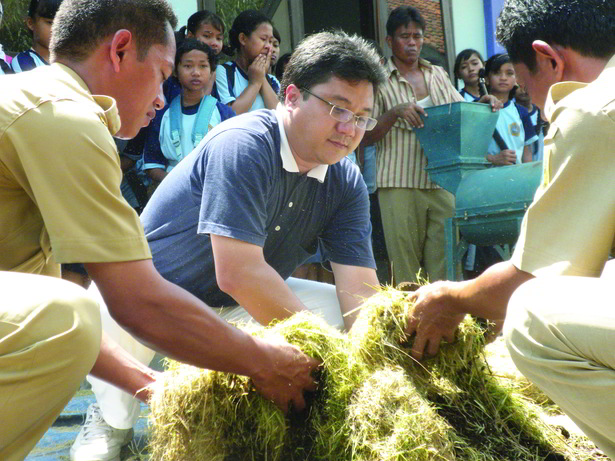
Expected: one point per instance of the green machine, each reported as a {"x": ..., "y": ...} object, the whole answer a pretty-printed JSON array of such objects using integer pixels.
[{"x": 490, "y": 201}]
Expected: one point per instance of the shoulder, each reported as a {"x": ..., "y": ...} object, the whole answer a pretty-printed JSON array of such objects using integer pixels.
[
  {"x": 225, "y": 111},
  {"x": 56, "y": 95},
  {"x": 345, "y": 174},
  {"x": 255, "y": 132},
  {"x": 23, "y": 62}
]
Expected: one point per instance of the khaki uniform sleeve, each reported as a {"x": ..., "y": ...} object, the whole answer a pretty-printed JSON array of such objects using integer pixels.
[
  {"x": 69, "y": 165},
  {"x": 569, "y": 228}
]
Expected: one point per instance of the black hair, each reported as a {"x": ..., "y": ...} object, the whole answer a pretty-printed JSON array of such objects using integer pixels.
[
  {"x": 402, "y": 16},
  {"x": 279, "y": 66},
  {"x": 376, "y": 46},
  {"x": 245, "y": 23},
  {"x": 196, "y": 21},
  {"x": 44, "y": 8},
  {"x": 332, "y": 54},
  {"x": 586, "y": 26},
  {"x": 190, "y": 44},
  {"x": 276, "y": 34},
  {"x": 81, "y": 25},
  {"x": 464, "y": 56},
  {"x": 494, "y": 63}
]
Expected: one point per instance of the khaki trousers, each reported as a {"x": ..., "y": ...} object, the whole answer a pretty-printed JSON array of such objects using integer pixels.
[
  {"x": 49, "y": 340},
  {"x": 561, "y": 334},
  {"x": 413, "y": 222}
]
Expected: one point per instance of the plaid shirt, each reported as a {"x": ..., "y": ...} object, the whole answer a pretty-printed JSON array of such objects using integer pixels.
[{"x": 400, "y": 158}]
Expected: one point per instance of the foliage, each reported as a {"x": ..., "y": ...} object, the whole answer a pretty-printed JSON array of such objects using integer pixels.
[
  {"x": 229, "y": 9},
  {"x": 14, "y": 35}
]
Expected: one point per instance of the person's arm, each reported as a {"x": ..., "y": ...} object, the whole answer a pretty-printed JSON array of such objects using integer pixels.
[
  {"x": 256, "y": 80},
  {"x": 154, "y": 161},
  {"x": 441, "y": 306},
  {"x": 134, "y": 378},
  {"x": 493, "y": 101},
  {"x": 243, "y": 273},
  {"x": 527, "y": 154},
  {"x": 353, "y": 285},
  {"x": 270, "y": 97},
  {"x": 504, "y": 157},
  {"x": 179, "y": 325},
  {"x": 156, "y": 174},
  {"x": 126, "y": 163},
  {"x": 410, "y": 111}
]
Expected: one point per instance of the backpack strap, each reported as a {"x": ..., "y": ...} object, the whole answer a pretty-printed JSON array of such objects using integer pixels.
[
  {"x": 230, "y": 77},
  {"x": 6, "y": 68},
  {"x": 274, "y": 85},
  {"x": 203, "y": 116},
  {"x": 175, "y": 115}
]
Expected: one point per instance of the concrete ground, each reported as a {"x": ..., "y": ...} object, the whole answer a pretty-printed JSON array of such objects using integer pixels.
[{"x": 55, "y": 445}]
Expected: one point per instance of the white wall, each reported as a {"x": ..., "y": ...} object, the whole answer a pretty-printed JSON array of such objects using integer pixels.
[
  {"x": 184, "y": 9},
  {"x": 469, "y": 25},
  {"x": 281, "y": 20}
]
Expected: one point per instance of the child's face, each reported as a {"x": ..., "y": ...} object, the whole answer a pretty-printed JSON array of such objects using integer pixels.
[
  {"x": 194, "y": 70},
  {"x": 275, "y": 51},
  {"x": 209, "y": 35},
  {"x": 468, "y": 70},
  {"x": 258, "y": 42},
  {"x": 502, "y": 80},
  {"x": 41, "y": 30}
]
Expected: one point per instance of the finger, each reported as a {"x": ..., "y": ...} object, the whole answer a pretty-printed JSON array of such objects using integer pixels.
[
  {"x": 418, "y": 346},
  {"x": 433, "y": 347},
  {"x": 311, "y": 385},
  {"x": 415, "y": 120},
  {"x": 282, "y": 405},
  {"x": 449, "y": 337},
  {"x": 298, "y": 401},
  {"x": 412, "y": 325},
  {"x": 421, "y": 111}
]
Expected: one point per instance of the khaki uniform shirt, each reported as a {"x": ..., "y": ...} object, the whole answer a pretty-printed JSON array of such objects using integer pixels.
[
  {"x": 570, "y": 227},
  {"x": 60, "y": 176}
]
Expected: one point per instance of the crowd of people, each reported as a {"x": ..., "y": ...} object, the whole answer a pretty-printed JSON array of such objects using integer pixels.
[{"x": 190, "y": 193}]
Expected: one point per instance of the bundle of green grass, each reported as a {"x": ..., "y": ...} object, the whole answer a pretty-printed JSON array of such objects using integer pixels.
[{"x": 374, "y": 402}]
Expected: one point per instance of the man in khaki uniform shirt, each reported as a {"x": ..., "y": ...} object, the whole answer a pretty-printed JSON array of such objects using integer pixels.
[
  {"x": 60, "y": 202},
  {"x": 560, "y": 326}
]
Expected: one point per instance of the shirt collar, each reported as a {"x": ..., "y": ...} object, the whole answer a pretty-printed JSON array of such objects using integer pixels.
[
  {"x": 110, "y": 116},
  {"x": 391, "y": 67},
  {"x": 288, "y": 160},
  {"x": 560, "y": 90}
]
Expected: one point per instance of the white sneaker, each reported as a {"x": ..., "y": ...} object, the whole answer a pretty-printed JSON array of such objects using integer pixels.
[{"x": 97, "y": 441}]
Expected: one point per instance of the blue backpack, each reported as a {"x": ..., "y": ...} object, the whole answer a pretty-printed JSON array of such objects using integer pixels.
[{"x": 201, "y": 124}]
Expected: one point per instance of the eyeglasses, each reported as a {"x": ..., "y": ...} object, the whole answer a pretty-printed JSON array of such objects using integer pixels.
[{"x": 344, "y": 115}]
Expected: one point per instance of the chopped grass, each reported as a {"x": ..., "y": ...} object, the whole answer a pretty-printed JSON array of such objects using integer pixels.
[{"x": 374, "y": 402}]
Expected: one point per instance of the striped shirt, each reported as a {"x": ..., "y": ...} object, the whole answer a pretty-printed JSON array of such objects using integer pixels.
[
  {"x": 27, "y": 60},
  {"x": 400, "y": 158}
]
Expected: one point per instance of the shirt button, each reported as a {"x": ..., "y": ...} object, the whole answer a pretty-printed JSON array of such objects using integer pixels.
[
  {"x": 290, "y": 204},
  {"x": 277, "y": 228}
]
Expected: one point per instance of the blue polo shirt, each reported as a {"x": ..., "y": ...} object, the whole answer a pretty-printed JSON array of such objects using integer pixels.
[{"x": 242, "y": 182}]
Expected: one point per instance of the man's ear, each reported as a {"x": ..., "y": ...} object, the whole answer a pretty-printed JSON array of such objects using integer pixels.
[
  {"x": 389, "y": 40},
  {"x": 291, "y": 96},
  {"x": 121, "y": 42},
  {"x": 549, "y": 60}
]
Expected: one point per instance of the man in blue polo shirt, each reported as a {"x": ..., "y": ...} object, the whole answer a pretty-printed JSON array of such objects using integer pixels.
[{"x": 261, "y": 193}]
